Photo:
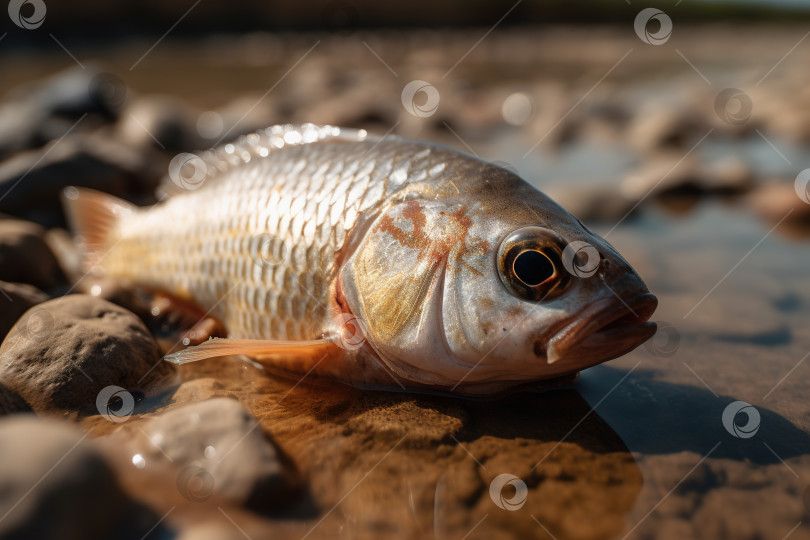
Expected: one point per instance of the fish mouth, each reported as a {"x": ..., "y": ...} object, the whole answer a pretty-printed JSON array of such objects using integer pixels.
[{"x": 609, "y": 328}]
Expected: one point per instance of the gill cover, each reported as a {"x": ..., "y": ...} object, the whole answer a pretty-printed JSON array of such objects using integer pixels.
[{"x": 394, "y": 282}]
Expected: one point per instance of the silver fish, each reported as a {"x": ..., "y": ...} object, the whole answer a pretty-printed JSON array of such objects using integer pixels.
[{"x": 376, "y": 261}]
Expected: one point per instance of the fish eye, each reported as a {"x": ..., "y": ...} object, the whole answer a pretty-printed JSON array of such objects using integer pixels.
[
  {"x": 533, "y": 267},
  {"x": 530, "y": 264}
]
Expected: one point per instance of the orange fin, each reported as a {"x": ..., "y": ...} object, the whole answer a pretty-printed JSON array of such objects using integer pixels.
[
  {"x": 256, "y": 348},
  {"x": 92, "y": 215}
]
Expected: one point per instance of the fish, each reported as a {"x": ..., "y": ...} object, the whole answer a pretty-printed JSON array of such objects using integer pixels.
[{"x": 375, "y": 261}]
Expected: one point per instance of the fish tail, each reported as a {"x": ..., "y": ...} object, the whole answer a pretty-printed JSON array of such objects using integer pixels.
[{"x": 92, "y": 216}]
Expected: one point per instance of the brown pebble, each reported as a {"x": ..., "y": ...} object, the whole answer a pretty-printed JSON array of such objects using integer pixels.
[
  {"x": 15, "y": 299},
  {"x": 55, "y": 485},
  {"x": 11, "y": 402},
  {"x": 25, "y": 256},
  {"x": 63, "y": 352}
]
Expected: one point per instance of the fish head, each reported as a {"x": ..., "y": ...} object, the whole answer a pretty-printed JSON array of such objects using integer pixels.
[{"x": 492, "y": 286}]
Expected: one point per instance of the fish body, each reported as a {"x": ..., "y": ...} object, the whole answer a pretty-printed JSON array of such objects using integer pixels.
[{"x": 379, "y": 260}]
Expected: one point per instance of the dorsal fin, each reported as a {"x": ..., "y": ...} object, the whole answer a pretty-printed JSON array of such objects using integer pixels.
[
  {"x": 92, "y": 216},
  {"x": 227, "y": 157}
]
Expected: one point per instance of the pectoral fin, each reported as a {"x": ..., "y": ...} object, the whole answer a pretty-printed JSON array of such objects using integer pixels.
[{"x": 261, "y": 350}]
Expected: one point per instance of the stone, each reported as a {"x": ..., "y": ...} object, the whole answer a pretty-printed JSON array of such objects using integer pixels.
[
  {"x": 62, "y": 353},
  {"x": 31, "y": 182},
  {"x": 598, "y": 202},
  {"x": 220, "y": 451},
  {"x": 25, "y": 256},
  {"x": 55, "y": 485},
  {"x": 775, "y": 199},
  {"x": 161, "y": 122},
  {"x": 74, "y": 100},
  {"x": 15, "y": 299},
  {"x": 11, "y": 402}
]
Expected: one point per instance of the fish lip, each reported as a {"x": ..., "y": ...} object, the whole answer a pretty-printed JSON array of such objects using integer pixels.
[{"x": 624, "y": 319}]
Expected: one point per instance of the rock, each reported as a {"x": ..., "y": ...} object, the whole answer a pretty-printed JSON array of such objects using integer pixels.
[
  {"x": 221, "y": 451},
  {"x": 161, "y": 122},
  {"x": 775, "y": 199},
  {"x": 661, "y": 126},
  {"x": 63, "y": 352},
  {"x": 11, "y": 402},
  {"x": 25, "y": 256},
  {"x": 73, "y": 100},
  {"x": 31, "y": 182},
  {"x": 76, "y": 495},
  {"x": 76, "y": 92},
  {"x": 598, "y": 202},
  {"x": 15, "y": 299},
  {"x": 119, "y": 291},
  {"x": 671, "y": 174}
]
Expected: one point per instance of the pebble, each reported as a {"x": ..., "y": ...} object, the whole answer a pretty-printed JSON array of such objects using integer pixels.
[
  {"x": 775, "y": 199},
  {"x": 661, "y": 126},
  {"x": 25, "y": 256},
  {"x": 598, "y": 202},
  {"x": 160, "y": 122},
  {"x": 11, "y": 402},
  {"x": 31, "y": 182},
  {"x": 63, "y": 352},
  {"x": 55, "y": 485},
  {"x": 15, "y": 299},
  {"x": 220, "y": 451},
  {"x": 74, "y": 100},
  {"x": 673, "y": 174}
]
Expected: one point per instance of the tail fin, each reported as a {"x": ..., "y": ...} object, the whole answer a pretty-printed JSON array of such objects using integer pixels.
[{"x": 92, "y": 215}]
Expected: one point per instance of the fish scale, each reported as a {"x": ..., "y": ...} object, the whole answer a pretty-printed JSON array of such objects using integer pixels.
[{"x": 304, "y": 187}]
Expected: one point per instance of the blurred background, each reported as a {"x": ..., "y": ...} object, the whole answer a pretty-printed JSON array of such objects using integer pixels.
[{"x": 679, "y": 130}]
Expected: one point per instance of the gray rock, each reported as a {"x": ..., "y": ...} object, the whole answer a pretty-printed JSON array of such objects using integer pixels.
[
  {"x": 63, "y": 352},
  {"x": 598, "y": 202},
  {"x": 44, "y": 110},
  {"x": 662, "y": 126},
  {"x": 25, "y": 256},
  {"x": 221, "y": 451},
  {"x": 15, "y": 299},
  {"x": 161, "y": 122},
  {"x": 55, "y": 485},
  {"x": 31, "y": 182}
]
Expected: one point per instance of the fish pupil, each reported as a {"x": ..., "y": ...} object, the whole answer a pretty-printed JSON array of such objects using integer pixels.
[{"x": 533, "y": 267}]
